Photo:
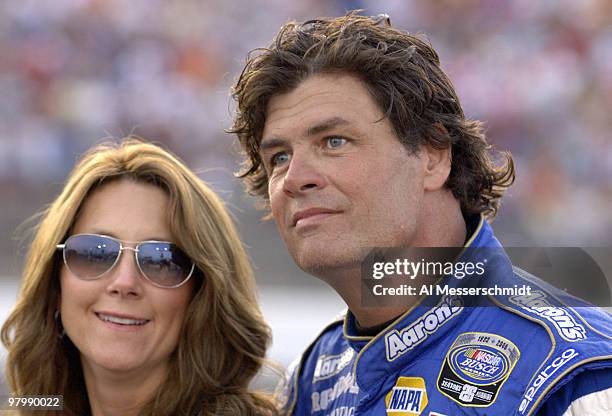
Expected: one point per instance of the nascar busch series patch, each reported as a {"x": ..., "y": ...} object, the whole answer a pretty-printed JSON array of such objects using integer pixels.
[
  {"x": 475, "y": 368},
  {"x": 407, "y": 398}
]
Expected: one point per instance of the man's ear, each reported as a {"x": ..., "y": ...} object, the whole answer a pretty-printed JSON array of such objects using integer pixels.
[{"x": 437, "y": 166}]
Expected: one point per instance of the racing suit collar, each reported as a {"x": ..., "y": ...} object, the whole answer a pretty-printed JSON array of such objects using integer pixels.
[
  {"x": 411, "y": 320},
  {"x": 482, "y": 236}
]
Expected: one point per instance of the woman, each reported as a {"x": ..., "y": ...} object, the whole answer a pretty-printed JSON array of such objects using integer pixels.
[{"x": 137, "y": 295}]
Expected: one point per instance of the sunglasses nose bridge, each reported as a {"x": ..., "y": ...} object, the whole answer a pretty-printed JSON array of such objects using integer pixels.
[
  {"x": 120, "y": 270},
  {"x": 135, "y": 250},
  {"x": 123, "y": 247}
]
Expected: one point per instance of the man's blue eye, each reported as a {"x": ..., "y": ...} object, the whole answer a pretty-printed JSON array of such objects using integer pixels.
[
  {"x": 279, "y": 158},
  {"x": 335, "y": 141}
]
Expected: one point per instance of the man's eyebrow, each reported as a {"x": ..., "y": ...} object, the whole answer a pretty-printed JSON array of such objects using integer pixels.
[
  {"x": 271, "y": 143},
  {"x": 326, "y": 125},
  {"x": 321, "y": 127}
]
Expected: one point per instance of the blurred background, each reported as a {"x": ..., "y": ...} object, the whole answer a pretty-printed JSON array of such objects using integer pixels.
[{"x": 75, "y": 71}]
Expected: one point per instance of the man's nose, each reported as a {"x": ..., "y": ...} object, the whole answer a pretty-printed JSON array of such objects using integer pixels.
[{"x": 303, "y": 175}]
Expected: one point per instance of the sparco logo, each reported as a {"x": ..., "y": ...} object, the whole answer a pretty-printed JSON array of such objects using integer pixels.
[
  {"x": 564, "y": 323},
  {"x": 398, "y": 343},
  {"x": 544, "y": 375}
]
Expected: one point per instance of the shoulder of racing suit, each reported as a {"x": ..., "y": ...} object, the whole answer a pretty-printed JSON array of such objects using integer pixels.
[
  {"x": 287, "y": 390},
  {"x": 561, "y": 343},
  {"x": 580, "y": 344}
]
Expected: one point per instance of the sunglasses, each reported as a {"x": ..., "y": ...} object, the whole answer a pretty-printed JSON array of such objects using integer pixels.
[{"x": 91, "y": 256}]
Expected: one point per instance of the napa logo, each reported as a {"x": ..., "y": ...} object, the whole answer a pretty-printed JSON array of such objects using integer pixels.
[
  {"x": 408, "y": 397},
  {"x": 480, "y": 365},
  {"x": 398, "y": 343},
  {"x": 565, "y": 324}
]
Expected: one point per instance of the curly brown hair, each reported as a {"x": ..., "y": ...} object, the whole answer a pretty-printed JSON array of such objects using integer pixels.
[{"x": 402, "y": 73}]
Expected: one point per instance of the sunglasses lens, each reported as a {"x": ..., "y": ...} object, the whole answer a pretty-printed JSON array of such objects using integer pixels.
[
  {"x": 89, "y": 256},
  {"x": 164, "y": 264}
]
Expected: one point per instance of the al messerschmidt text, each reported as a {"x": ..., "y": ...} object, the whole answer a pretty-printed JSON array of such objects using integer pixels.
[{"x": 409, "y": 290}]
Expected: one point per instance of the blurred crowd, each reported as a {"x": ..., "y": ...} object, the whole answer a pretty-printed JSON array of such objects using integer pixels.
[{"x": 74, "y": 71}]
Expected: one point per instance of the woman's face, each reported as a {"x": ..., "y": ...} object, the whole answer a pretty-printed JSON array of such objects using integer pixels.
[{"x": 129, "y": 211}]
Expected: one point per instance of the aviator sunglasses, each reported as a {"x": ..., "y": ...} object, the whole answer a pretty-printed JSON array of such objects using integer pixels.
[{"x": 91, "y": 256}]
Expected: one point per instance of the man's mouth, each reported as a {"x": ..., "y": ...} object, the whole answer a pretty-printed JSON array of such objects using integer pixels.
[{"x": 311, "y": 213}]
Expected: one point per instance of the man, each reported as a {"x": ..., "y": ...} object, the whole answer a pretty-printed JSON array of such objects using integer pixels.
[{"x": 356, "y": 139}]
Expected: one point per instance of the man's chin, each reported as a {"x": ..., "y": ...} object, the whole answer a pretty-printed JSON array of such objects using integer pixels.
[{"x": 325, "y": 263}]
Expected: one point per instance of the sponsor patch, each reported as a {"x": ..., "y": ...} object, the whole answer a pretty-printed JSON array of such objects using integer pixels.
[
  {"x": 475, "y": 368},
  {"x": 343, "y": 411},
  {"x": 407, "y": 397},
  {"x": 330, "y": 365},
  {"x": 482, "y": 365},
  {"x": 561, "y": 319},
  {"x": 544, "y": 375},
  {"x": 324, "y": 399},
  {"x": 398, "y": 343}
]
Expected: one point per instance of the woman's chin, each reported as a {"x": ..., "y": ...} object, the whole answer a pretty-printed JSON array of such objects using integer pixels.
[{"x": 120, "y": 362}]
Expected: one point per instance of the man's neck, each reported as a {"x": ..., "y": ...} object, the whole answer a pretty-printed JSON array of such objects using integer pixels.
[
  {"x": 369, "y": 317},
  {"x": 447, "y": 231}
]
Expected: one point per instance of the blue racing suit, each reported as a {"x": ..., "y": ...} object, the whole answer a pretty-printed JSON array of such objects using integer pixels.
[{"x": 521, "y": 355}]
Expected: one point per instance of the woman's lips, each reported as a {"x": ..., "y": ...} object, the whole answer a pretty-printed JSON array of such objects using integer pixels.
[{"x": 121, "y": 321}]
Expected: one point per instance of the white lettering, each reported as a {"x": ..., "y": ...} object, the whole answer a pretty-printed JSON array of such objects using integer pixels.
[
  {"x": 399, "y": 342},
  {"x": 323, "y": 399},
  {"x": 544, "y": 375},
  {"x": 564, "y": 323},
  {"x": 330, "y": 365},
  {"x": 343, "y": 411}
]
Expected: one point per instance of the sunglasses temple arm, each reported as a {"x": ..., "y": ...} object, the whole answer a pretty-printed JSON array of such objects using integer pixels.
[{"x": 60, "y": 246}]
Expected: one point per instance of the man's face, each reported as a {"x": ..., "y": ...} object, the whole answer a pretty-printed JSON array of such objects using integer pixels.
[{"x": 340, "y": 182}]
